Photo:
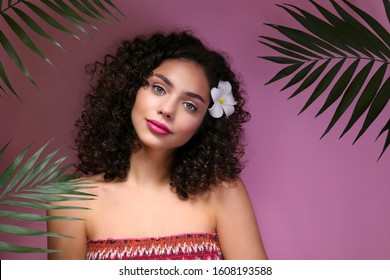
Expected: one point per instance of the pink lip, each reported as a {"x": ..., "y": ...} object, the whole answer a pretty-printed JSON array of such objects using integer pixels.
[{"x": 157, "y": 127}]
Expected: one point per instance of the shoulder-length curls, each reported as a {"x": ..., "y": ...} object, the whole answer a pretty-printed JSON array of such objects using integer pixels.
[{"x": 106, "y": 136}]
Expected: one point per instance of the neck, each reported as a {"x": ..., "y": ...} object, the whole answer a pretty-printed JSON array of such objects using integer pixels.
[{"x": 150, "y": 168}]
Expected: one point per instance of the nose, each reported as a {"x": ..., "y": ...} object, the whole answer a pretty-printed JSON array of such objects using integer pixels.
[{"x": 167, "y": 108}]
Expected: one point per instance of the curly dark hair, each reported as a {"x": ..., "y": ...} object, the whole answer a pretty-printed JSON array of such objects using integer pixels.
[{"x": 106, "y": 136}]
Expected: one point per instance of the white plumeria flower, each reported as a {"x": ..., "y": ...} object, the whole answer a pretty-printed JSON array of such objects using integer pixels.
[{"x": 223, "y": 100}]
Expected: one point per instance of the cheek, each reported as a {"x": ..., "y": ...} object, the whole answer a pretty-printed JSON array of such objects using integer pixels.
[
  {"x": 191, "y": 126},
  {"x": 142, "y": 100},
  {"x": 138, "y": 106}
]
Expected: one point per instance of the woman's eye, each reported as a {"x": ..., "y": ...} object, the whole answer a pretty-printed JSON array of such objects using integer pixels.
[
  {"x": 190, "y": 106},
  {"x": 158, "y": 89}
]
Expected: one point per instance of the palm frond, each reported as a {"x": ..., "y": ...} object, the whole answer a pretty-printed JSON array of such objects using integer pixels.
[
  {"x": 13, "y": 248},
  {"x": 355, "y": 49},
  {"x": 385, "y": 128},
  {"x": 350, "y": 94},
  {"x": 29, "y": 184},
  {"x": 80, "y": 13}
]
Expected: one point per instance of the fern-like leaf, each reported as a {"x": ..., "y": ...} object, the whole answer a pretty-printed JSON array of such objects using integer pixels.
[
  {"x": 78, "y": 12},
  {"x": 346, "y": 36},
  {"x": 29, "y": 184}
]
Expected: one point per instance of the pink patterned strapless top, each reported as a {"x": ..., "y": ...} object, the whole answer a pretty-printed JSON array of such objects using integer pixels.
[{"x": 192, "y": 246}]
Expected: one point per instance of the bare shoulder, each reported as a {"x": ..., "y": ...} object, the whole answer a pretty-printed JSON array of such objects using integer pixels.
[
  {"x": 236, "y": 221},
  {"x": 229, "y": 195},
  {"x": 229, "y": 191}
]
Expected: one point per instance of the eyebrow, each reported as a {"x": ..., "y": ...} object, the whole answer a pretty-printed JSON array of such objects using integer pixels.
[{"x": 170, "y": 84}]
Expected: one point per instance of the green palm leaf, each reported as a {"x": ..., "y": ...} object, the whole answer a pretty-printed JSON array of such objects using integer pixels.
[
  {"x": 16, "y": 230},
  {"x": 350, "y": 94},
  {"x": 305, "y": 39},
  {"x": 109, "y": 2},
  {"x": 8, "y": 247},
  {"x": 89, "y": 10},
  {"x": 387, "y": 7},
  {"x": 4, "y": 77},
  {"x": 20, "y": 11},
  {"x": 371, "y": 42},
  {"x": 285, "y": 51},
  {"x": 324, "y": 84},
  {"x": 366, "y": 97},
  {"x": 31, "y": 217},
  {"x": 6, "y": 44},
  {"x": 34, "y": 26},
  {"x": 64, "y": 10},
  {"x": 378, "y": 104},
  {"x": 49, "y": 19},
  {"x": 29, "y": 184},
  {"x": 36, "y": 205},
  {"x": 300, "y": 75},
  {"x": 18, "y": 30},
  {"x": 339, "y": 87},
  {"x": 321, "y": 29},
  {"x": 3, "y": 149},
  {"x": 290, "y": 46},
  {"x": 385, "y": 128},
  {"x": 103, "y": 7},
  {"x": 372, "y": 22},
  {"x": 345, "y": 39},
  {"x": 285, "y": 72},
  {"x": 310, "y": 79}
]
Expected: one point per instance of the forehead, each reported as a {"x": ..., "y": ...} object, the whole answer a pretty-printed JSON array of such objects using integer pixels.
[
  {"x": 181, "y": 64},
  {"x": 185, "y": 74}
]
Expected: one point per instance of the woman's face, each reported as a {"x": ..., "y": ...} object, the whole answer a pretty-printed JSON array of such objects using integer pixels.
[{"x": 170, "y": 108}]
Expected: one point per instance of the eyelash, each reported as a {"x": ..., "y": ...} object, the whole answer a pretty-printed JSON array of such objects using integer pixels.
[
  {"x": 193, "y": 107},
  {"x": 188, "y": 105},
  {"x": 157, "y": 87}
]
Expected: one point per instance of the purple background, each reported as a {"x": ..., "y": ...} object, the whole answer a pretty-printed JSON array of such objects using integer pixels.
[{"x": 314, "y": 199}]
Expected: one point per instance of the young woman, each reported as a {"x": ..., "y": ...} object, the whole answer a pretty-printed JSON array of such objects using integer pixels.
[{"x": 160, "y": 137}]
